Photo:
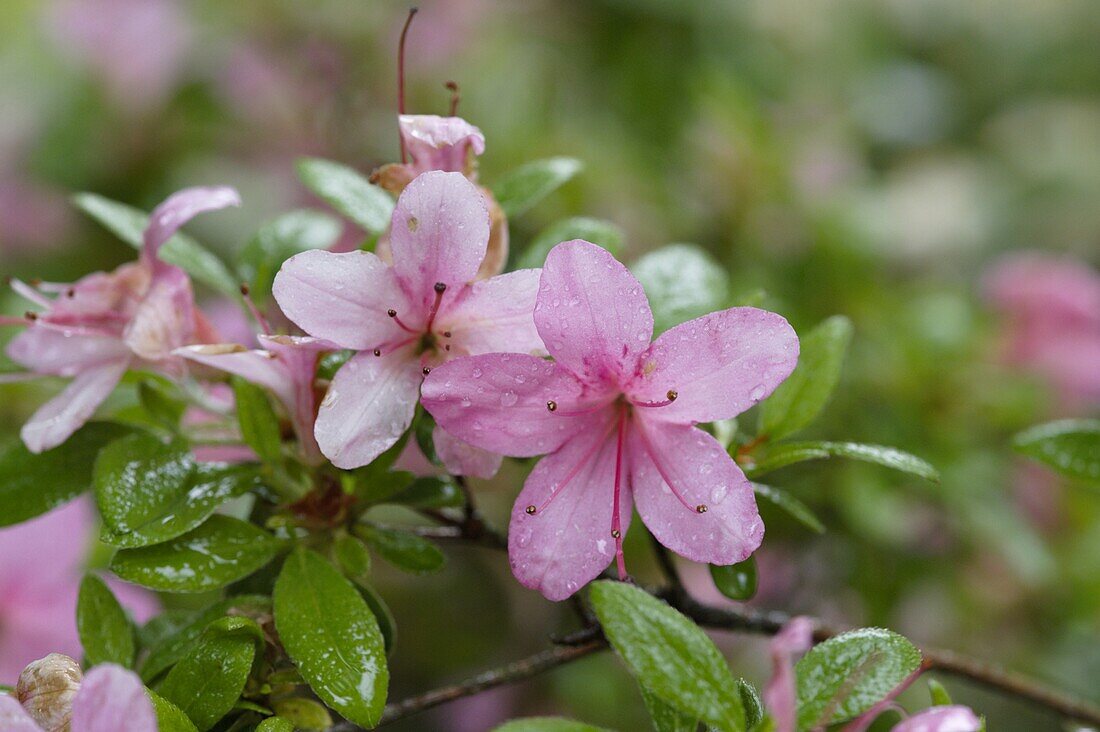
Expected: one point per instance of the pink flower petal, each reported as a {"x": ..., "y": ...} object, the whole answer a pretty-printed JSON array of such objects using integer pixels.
[
  {"x": 63, "y": 415},
  {"x": 719, "y": 365},
  {"x": 368, "y": 407},
  {"x": 178, "y": 209},
  {"x": 439, "y": 233},
  {"x": 953, "y": 718},
  {"x": 13, "y": 718},
  {"x": 32, "y": 556},
  {"x": 780, "y": 695},
  {"x": 38, "y": 620},
  {"x": 165, "y": 318},
  {"x": 591, "y": 312},
  {"x": 567, "y": 541},
  {"x": 462, "y": 458},
  {"x": 50, "y": 351},
  {"x": 258, "y": 367},
  {"x": 440, "y": 143},
  {"x": 496, "y": 315},
  {"x": 342, "y": 298},
  {"x": 701, "y": 474},
  {"x": 498, "y": 402},
  {"x": 113, "y": 699}
]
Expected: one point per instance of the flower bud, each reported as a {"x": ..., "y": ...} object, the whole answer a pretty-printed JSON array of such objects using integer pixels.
[{"x": 46, "y": 689}]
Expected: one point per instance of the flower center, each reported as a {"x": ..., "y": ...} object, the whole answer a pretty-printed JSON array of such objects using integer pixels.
[{"x": 426, "y": 339}]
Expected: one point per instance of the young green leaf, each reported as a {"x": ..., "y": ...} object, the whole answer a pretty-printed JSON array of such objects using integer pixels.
[
  {"x": 149, "y": 491},
  {"x": 303, "y": 713},
  {"x": 547, "y": 724},
  {"x": 668, "y": 654},
  {"x": 528, "y": 184},
  {"x": 846, "y": 675},
  {"x": 750, "y": 700},
  {"x": 682, "y": 282},
  {"x": 604, "y": 233},
  {"x": 794, "y": 507},
  {"x": 404, "y": 550},
  {"x": 735, "y": 581},
  {"x": 1070, "y": 446},
  {"x": 332, "y": 637},
  {"x": 259, "y": 425},
  {"x": 429, "y": 493},
  {"x": 280, "y": 239},
  {"x": 103, "y": 626},
  {"x": 170, "y": 718},
  {"x": 163, "y": 408},
  {"x": 278, "y": 724},
  {"x": 788, "y": 453},
  {"x": 351, "y": 556},
  {"x": 209, "y": 680},
  {"x": 31, "y": 484},
  {"x": 940, "y": 697},
  {"x": 348, "y": 192},
  {"x": 216, "y": 553},
  {"x": 800, "y": 398},
  {"x": 128, "y": 224}
]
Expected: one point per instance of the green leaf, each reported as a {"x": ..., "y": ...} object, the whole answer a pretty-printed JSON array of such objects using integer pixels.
[
  {"x": 940, "y": 697},
  {"x": 682, "y": 282},
  {"x": 303, "y": 713},
  {"x": 788, "y": 453},
  {"x": 1070, "y": 446},
  {"x": 149, "y": 492},
  {"x": 104, "y": 628},
  {"x": 348, "y": 192},
  {"x": 604, "y": 233},
  {"x": 352, "y": 556},
  {"x": 164, "y": 409},
  {"x": 31, "y": 485},
  {"x": 209, "y": 680},
  {"x": 528, "y": 184},
  {"x": 275, "y": 724},
  {"x": 170, "y": 718},
  {"x": 750, "y": 700},
  {"x": 547, "y": 724},
  {"x": 218, "y": 552},
  {"x": 429, "y": 493},
  {"x": 666, "y": 718},
  {"x": 668, "y": 654},
  {"x": 735, "y": 581},
  {"x": 386, "y": 622},
  {"x": 796, "y": 508},
  {"x": 377, "y": 481},
  {"x": 800, "y": 398},
  {"x": 169, "y": 650},
  {"x": 332, "y": 637},
  {"x": 259, "y": 425},
  {"x": 404, "y": 550},
  {"x": 128, "y": 223},
  {"x": 845, "y": 676},
  {"x": 280, "y": 239}
]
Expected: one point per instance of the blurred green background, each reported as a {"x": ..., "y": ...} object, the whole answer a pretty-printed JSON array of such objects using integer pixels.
[{"x": 865, "y": 157}]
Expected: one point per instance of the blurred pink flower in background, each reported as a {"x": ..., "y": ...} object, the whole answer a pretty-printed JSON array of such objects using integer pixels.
[
  {"x": 137, "y": 48},
  {"x": 35, "y": 217},
  {"x": 1051, "y": 309},
  {"x": 41, "y": 564}
]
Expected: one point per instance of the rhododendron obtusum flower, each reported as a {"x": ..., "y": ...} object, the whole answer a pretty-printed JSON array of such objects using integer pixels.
[
  {"x": 106, "y": 322},
  {"x": 780, "y": 695},
  {"x": 110, "y": 699},
  {"x": 617, "y": 415},
  {"x": 948, "y": 718},
  {"x": 406, "y": 318}
]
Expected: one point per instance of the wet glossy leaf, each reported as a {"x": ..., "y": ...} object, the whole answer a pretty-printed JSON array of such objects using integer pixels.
[
  {"x": 149, "y": 491},
  {"x": 668, "y": 654},
  {"x": 208, "y": 681},
  {"x": 170, "y": 718},
  {"x": 547, "y": 724},
  {"x": 788, "y": 453},
  {"x": 429, "y": 493},
  {"x": 220, "y": 551},
  {"x": 348, "y": 192},
  {"x": 403, "y": 549},
  {"x": 604, "y": 233},
  {"x": 128, "y": 223},
  {"x": 750, "y": 701},
  {"x": 386, "y": 622},
  {"x": 163, "y": 407},
  {"x": 104, "y": 628},
  {"x": 845, "y": 676},
  {"x": 682, "y": 282},
  {"x": 351, "y": 556},
  {"x": 31, "y": 484},
  {"x": 276, "y": 724},
  {"x": 280, "y": 239},
  {"x": 303, "y": 713},
  {"x": 796, "y": 508},
  {"x": 259, "y": 425},
  {"x": 800, "y": 398},
  {"x": 332, "y": 637},
  {"x": 666, "y": 718},
  {"x": 1070, "y": 446},
  {"x": 735, "y": 581},
  {"x": 528, "y": 184}
]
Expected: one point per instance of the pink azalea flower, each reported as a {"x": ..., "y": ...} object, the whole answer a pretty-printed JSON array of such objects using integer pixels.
[
  {"x": 110, "y": 699},
  {"x": 617, "y": 415},
  {"x": 406, "y": 318},
  {"x": 107, "y": 322},
  {"x": 780, "y": 695},
  {"x": 950, "y": 718},
  {"x": 1052, "y": 311},
  {"x": 286, "y": 365},
  {"x": 41, "y": 564}
]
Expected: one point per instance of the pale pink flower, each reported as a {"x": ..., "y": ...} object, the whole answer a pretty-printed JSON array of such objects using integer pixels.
[
  {"x": 617, "y": 415},
  {"x": 41, "y": 564},
  {"x": 780, "y": 695},
  {"x": 110, "y": 699},
  {"x": 285, "y": 365},
  {"x": 406, "y": 318},
  {"x": 949, "y": 718},
  {"x": 107, "y": 322}
]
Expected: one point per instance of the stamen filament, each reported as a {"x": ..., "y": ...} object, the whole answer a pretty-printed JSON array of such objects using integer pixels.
[
  {"x": 12, "y": 320},
  {"x": 253, "y": 310},
  {"x": 671, "y": 397},
  {"x": 701, "y": 508},
  {"x": 552, "y": 406},
  {"x": 572, "y": 473},
  {"x": 393, "y": 314},
  {"x": 27, "y": 292},
  {"x": 440, "y": 288},
  {"x": 401, "y": 79},
  {"x": 616, "y": 516},
  {"x": 452, "y": 86}
]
